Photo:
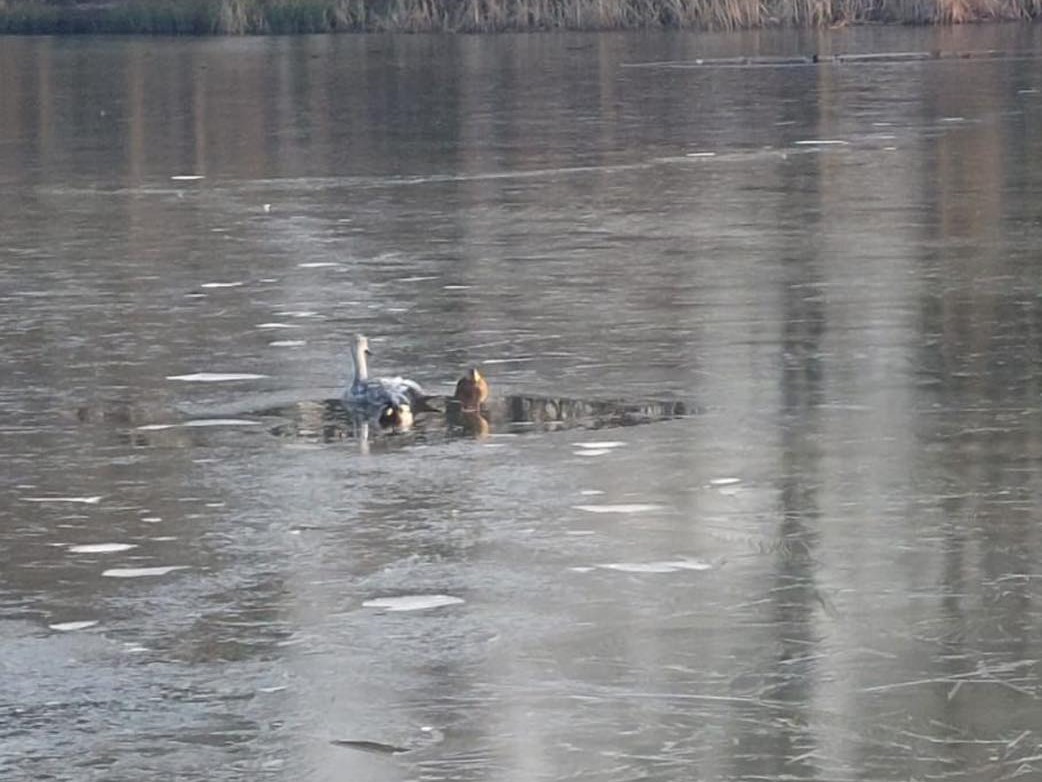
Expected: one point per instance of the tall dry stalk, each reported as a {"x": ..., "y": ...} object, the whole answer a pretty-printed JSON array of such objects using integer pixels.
[
  {"x": 232, "y": 17},
  {"x": 473, "y": 16}
]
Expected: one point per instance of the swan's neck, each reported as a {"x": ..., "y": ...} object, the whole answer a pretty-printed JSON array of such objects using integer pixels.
[{"x": 361, "y": 368}]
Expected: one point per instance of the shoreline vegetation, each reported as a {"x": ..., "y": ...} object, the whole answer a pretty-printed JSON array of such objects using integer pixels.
[{"x": 260, "y": 17}]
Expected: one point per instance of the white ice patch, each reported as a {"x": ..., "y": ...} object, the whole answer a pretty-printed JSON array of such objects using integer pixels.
[
  {"x": 456, "y": 287},
  {"x": 316, "y": 265},
  {"x": 80, "y": 500},
  {"x": 68, "y": 627},
  {"x": 591, "y": 492},
  {"x": 412, "y": 602},
  {"x": 623, "y": 508},
  {"x": 199, "y": 423},
  {"x": 600, "y": 444},
  {"x": 724, "y": 481},
  {"x": 417, "y": 278},
  {"x": 215, "y": 377},
  {"x": 822, "y": 142},
  {"x": 141, "y": 572},
  {"x": 700, "y": 154},
  {"x": 187, "y": 177},
  {"x": 668, "y": 566},
  {"x": 101, "y": 548},
  {"x": 236, "y": 284},
  {"x": 275, "y": 325},
  {"x": 519, "y": 360},
  {"x": 288, "y": 343}
]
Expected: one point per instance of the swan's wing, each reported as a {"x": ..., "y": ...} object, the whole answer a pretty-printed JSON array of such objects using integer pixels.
[
  {"x": 376, "y": 393},
  {"x": 413, "y": 389},
  {"x": 397, "y": 392},
  {"x": 411, "y": 393},
  {"x": 401, "y": 387},
  {"x": 390, "y": 390}
]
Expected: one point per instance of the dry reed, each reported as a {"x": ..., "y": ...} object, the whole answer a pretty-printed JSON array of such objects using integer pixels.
[{"x": 238, "y": 17}]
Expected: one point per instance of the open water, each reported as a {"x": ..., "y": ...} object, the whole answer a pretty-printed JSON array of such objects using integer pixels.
[{"x": 759, "y": 494}]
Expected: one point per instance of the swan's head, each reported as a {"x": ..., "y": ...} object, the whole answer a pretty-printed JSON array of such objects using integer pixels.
[{"x": 362, "y": 345}]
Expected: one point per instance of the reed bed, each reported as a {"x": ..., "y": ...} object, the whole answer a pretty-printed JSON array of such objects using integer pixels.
[{"x": 242, "y": 17}]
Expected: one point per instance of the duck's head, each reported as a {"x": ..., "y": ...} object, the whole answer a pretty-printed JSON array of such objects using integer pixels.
[
  {"x": 473, "y": 375},
  {"x": 397, "y": 416}
]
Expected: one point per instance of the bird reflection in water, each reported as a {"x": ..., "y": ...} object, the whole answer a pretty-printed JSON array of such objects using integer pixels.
[
  {"x": 470, "y": 423},
  {"x": 474, "y": 416}
]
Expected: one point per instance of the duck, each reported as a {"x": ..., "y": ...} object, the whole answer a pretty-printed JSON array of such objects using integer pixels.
[
  {"x": 397, "y": 417},
  {"x": 471, "y": 391},
  {"x": 391, "y": 399}
]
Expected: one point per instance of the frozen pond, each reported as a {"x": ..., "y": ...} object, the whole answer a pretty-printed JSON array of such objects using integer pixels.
[{"x": 759, "y": 493}]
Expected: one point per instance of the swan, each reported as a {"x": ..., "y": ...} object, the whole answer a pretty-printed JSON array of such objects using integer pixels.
[
  {"x": 391, "y": 399},
  {"x": 471, "y": 390}
]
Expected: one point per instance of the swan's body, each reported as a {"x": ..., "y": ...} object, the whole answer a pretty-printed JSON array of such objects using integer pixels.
[
  {"x": 390, "y": 399},
  {"x": 471, "y": 391}
]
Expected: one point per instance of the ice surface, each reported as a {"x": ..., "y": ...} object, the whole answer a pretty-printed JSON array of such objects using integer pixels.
[
  {"x": 215, "y": 377},
  {"x": 101, "y": 548},
  {"x": 67, "y": 627},
  {"x": 635, "y": 507},
  {"x": 141, "y": 572},
  {"x": 412, "y": 602}
]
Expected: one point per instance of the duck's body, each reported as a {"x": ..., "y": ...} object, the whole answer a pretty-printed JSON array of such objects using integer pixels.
[
  {"x": 471, "y": 390},
  {"x": 390, "y": 400}
]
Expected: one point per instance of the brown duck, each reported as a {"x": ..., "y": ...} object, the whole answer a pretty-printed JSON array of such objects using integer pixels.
[{"x": 471, "y": 391}]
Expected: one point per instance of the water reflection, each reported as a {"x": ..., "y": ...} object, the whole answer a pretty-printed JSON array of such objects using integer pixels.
[
  {"x": 829, "y": 572},
  {"x": 329, "y": 421}
]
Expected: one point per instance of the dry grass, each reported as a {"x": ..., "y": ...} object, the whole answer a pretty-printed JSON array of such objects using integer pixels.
[{"x": 237, "y": 17}]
